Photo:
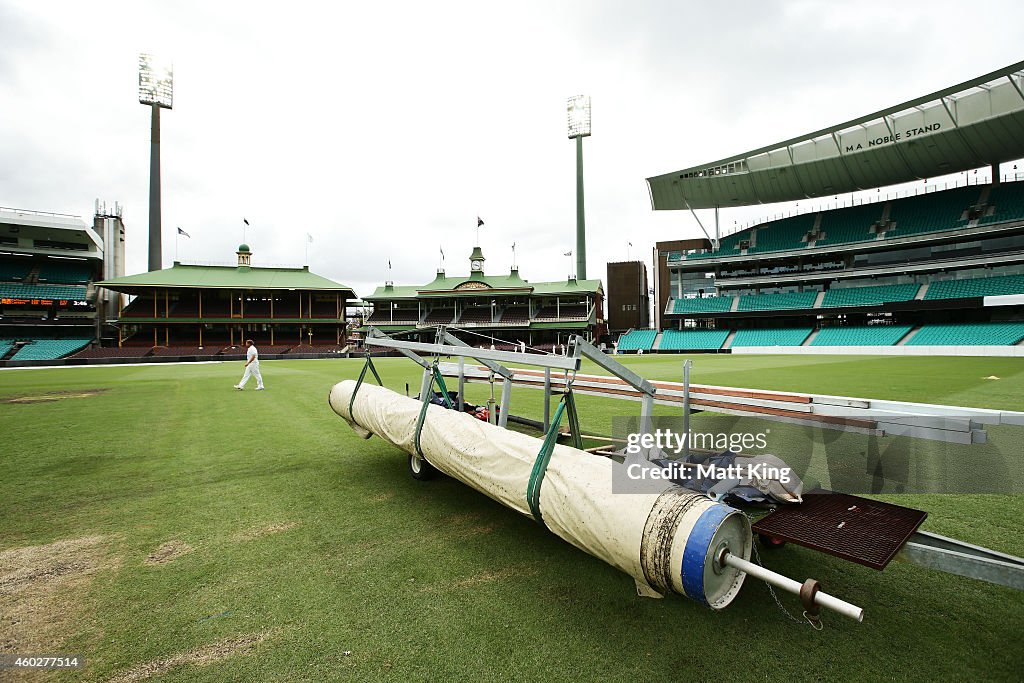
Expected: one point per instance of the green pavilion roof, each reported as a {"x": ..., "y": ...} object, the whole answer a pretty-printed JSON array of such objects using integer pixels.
[
  {"x": 226, "y": 277},
  {"x": 479, "y": 284}
]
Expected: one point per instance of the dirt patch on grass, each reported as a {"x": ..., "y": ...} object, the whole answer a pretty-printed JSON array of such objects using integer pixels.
[
  {"x": 461, "y": 527},
  {"x": 208, "y": 654},
  {"x": 51, "y": 396},
  {"x": 484, "y": 578},
  {"x": 167, "y": 553},
  {"x": 41, "y": 588},
  {"x": 268, "y": 530},
  {"x": 382, "y": 497}
]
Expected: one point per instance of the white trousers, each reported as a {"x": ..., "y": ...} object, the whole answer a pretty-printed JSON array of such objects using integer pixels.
[{"x": 253, "y": 369}]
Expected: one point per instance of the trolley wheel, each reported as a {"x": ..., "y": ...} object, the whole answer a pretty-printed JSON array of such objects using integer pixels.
[
  {"x": 770, "y": 542},
  {"x": 421, "y": 469}
]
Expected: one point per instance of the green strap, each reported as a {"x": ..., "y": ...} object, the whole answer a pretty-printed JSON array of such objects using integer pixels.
[
  {"x": 435, "y": 377},
  {"x": 574, "y": 421},
  {"x": 359, "y": 383},
  {"x": 439, "y": 378},
  {"x": 540, "y": 465}
]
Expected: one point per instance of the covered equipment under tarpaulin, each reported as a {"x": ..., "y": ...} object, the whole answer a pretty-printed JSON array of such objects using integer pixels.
[{"x": 668, "y": 539}]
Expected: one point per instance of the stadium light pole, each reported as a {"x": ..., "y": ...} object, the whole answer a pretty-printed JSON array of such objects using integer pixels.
[
  {"x": 579, "y": 128},
  {"x": 156, "y": 89}
]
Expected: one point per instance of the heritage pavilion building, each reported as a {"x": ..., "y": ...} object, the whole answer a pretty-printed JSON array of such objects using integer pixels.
[
  {"x": 505, "y": 311},
  {"x": 203, "y": 309}
]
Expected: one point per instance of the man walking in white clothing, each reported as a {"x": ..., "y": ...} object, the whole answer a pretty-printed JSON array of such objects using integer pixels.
[{"x": 252, "y": 367}]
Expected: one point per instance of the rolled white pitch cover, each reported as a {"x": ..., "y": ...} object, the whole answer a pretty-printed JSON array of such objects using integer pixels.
[{"x": 667, "y": 538}]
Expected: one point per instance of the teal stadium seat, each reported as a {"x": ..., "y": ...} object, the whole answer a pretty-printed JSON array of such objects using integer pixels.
[
  {"x": 777, "y": 302},
  {"x": 1008, "y": 200},
  {"x": 17, "y": 269},
  {"x": 770, "y": 337},
  {"x": 21, "y": 291},
  {"x": 849, "y": 225},
  {"x": 692, "y": 340},
  {"x": 969, "y": 334},
  {"x": 69, "y": 272},
  {"x": 874, "y": 335},
  {"x": 727, "y": 246},
  {"x": 49, "y": 349},
  {"x": 5, "y": 346},
  {"x": 783, "y": 235},
  {"x": 708, "y": 304},
  {"x": 982, "y": 286},
  {"x": 932, "y": 212},
  {"x": 637, "y": 340},
  {"x": 868, "y": 296}
]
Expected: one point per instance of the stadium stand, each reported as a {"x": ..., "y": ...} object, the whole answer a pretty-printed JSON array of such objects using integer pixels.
[
  {"x": 771, "y": 337},
  {"x": 1008, "y": 201},
  {"x": 868, "y": 296},
  {"x": 728, "y": 246},
  {"x": 563, "y": 312},
  {"x": 788, "y": 233},
  {"x": 24, "y": 291},
  {"x": 15, "y": 269},
  {"x": 709, "y": 304},
  {"x": 440, "y": 316},
  {"x": 5, "y": 346},
  {"x": 846, "y": 226},
  {"x": 968, "y": 334},
  {"x": 932, "y": 212},
  {"x": 777, "y": 302},
  {"x": 861, "y": 335},
  {"x": 115, "y": 352},
  {"x": 65, "y": 272},
  {"x": 637, "y": 340},
  {"x": 692, "y": 340},
  {"x": 384, "y": 317},
  {"x": 49, "y": 349},
  {"x": 475, "y": 315},
  {"x": 517, "y": 315},
  {"x": 972, "y": 287}
]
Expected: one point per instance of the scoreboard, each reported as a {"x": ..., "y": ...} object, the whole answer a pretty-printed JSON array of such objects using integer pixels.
[{"x": 43, "y": 303}]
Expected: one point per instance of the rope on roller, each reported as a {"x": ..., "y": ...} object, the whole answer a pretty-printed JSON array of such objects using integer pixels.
[
  {"x": 435, "y": 377},
  {"x": 540, "y": 465},
  {"x": 359, "y": 383}
]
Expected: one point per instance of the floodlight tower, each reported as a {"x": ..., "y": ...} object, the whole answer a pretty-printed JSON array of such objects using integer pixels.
[
  {"x": 579, "y": 128},
  {"x": 156, "y": 88}
]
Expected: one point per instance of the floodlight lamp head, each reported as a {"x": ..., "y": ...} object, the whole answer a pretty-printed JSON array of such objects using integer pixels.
[
  {"x": 156, "y": 82},
  {"x": 579, "y": 116}
]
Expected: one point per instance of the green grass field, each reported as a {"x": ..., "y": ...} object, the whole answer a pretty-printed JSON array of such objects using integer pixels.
[{"x": 167, "y": 527}]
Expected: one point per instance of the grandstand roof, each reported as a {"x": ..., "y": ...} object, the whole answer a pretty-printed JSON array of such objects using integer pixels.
[
  {"x": 478, "y": 283},
  {"x": 226, "y": 277},
  {"x": 968, "y": 125}
]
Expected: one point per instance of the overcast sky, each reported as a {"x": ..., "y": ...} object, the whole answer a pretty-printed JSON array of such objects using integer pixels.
[{"x": 384, "y": 129}]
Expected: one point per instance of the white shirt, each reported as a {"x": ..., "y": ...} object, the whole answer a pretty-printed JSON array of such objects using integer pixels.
[{"x": 252, "y": 355}]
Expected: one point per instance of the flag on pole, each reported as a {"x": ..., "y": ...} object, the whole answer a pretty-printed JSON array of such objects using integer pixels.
[
  {"x": 568, "y": 253},
  {"x": 182, "y": 232},
  {"x": 442, "y": 253},
  {"x": 246, "y": 221},
  {"x": 629, "y": 243},
  {"x": 389, "y": 264},
  {"x": 309, "y": 238},
  {"x": 479, "y": 221}
]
